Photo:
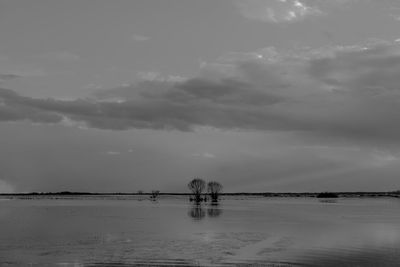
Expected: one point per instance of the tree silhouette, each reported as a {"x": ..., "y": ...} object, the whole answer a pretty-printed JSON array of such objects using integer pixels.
[
  {"x": 154, "y": 194},
  {"x": 214, "y": 188},
  {"x": 197, "y": 187}
]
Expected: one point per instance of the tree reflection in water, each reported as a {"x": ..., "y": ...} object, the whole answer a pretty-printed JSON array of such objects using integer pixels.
[
  {"x": 198, "y": 211},
  {"x": 214, "y": 210}
]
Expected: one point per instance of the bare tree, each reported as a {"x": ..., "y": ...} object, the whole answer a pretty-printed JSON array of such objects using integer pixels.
[
  {"x": 214, "y": 188},
  {"x": 197, "y": 187},
  {"x": 154, "y": 194}
]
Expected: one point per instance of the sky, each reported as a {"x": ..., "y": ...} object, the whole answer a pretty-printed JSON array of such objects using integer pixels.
[{"x": 259, "y": 95}]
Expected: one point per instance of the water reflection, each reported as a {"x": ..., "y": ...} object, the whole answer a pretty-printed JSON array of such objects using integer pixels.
[
  {"x": 328, "y": 200},
  {"x": 250, "y": 232},
  {"x": 214, "y": 210},
  {"x": 198, "y": 211}
]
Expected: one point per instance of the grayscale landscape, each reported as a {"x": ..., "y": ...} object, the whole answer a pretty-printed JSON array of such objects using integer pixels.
[{"x": 199, "y": 133}]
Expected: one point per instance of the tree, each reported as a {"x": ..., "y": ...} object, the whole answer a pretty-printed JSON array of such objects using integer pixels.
[
  {"x": 154, "y": 194},
  {"x": 327, "y": 195},
  {"x": 197, "y": 187},
  {"x": 214, "y": 188}
]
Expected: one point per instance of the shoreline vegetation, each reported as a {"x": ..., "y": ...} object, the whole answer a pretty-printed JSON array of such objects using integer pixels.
[{"x": 395, "y": 194}]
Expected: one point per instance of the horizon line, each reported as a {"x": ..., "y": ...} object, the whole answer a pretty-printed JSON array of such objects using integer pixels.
[{"x": 186, "y": 193}]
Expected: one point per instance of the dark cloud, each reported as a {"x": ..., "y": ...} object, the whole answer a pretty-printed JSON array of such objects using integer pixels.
[
  {"x": 222, "y": 91},
  {"x": 352, "y": 93},
  {"x": 14, "y": 107},
  {"x": 133, "y": 91},
  {"x": 363, "y": 70},
  {"x": 152, "y": 112}
]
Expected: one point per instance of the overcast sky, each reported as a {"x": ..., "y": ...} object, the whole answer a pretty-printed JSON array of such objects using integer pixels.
[{"x": 260, "y": 95}]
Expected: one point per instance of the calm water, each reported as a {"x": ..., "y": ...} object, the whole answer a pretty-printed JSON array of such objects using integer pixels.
[{"x": 107, "y": 231}]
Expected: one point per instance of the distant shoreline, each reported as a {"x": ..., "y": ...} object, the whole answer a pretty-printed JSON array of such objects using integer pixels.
[{"x": 395, "y": 194}]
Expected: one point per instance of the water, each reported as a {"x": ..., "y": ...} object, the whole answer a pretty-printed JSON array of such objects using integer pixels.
[{"x": 251, "y": 231}]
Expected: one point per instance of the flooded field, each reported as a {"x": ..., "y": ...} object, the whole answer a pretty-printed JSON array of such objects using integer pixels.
[{"x": 244, "y": 231}]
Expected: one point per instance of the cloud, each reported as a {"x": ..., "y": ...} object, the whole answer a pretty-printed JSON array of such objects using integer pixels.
[
  {"x": 71, "y": 123},
  {"x": 140, "y": 38},
  {"x": 6, "y": 187},
  {"x": 14, "y": 108},
  {"x": 289, "y": 11},
  {"x": 23, "y": 72},
  {"x": 205, "y": 155},
  {"x": 383, "y": 158},
  {"x": 156, "y": 76},
  {"x": 10, "y": 76},
  {"x": 92, "y": 86},
  {"x": 276, "y": 11},
  {"x": 63, "y": 56},
  {"x": 348, "y": 93},
  {"x": 113, "y": 153}
]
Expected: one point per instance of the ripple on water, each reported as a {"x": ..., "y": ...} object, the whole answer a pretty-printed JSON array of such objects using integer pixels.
[{"x": 352, "y": 256}]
